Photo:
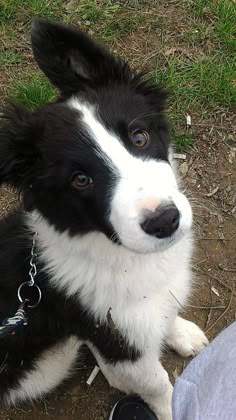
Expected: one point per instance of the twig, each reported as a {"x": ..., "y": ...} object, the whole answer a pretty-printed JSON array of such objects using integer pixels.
[
  {"x": 231, "y": 270},
  {"x": 213, "y": 192},
  {"x": 46, "y": 408},
  {"x": 208, "y": 317},
  {"x": 214, "y": 239},
  {"x": 216, "y": 279},
  {"x": 217, "y": 238},
  {"x": 176, "y": 299},
  {"x": 205, "y": 307},
  {"x": 210, "y": 311},
  {"x": 201, "y": 261},
  {"x": 212, "y": 125},
  {"x": 195, "y": 306},
  {"x": 223, "y": 314}
]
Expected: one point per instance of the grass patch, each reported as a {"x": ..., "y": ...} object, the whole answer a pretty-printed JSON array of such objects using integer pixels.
[
  {"x": 33, "y": 93},
  {"x": 226, "y": 24},
  {"x": 222, "y": 14},
  {"x": 10, "y": 57},
  {"x": 44, "y": 8},
  {"x": 197, "y": 86},
  {"x": 182, "y": 140},
  {"x": 107, "y": 22},
  {"x": 208, "y": 84},
  {"x": 11, "y": 9},
  {"x": 7, "y": 10}
]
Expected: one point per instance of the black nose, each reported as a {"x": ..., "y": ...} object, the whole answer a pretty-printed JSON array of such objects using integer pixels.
[{"x": 163, "y": 222}]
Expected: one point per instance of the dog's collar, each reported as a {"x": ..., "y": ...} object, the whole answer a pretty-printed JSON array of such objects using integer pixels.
[{"x": 10, "y": 324}]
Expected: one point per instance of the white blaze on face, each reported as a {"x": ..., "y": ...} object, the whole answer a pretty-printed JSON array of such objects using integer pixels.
[{"x": 142, "y": 186}]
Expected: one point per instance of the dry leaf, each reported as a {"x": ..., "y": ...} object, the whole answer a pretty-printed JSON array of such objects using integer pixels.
[{"x": 170, "y": 51}]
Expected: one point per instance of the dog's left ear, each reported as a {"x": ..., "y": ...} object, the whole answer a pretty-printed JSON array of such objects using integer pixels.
[
  {"x": 18, "y": 151},
  {"x": 71, "y": 59}
]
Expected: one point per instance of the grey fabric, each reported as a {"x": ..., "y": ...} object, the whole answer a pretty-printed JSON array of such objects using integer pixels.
[{"x": 206, "y": 390}]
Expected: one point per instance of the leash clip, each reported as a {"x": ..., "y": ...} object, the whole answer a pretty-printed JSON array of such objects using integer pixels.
[{"x": 10, "y": 325}]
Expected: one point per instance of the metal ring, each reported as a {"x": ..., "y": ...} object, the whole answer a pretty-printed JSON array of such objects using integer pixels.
[{"x": 26, "y": 283}]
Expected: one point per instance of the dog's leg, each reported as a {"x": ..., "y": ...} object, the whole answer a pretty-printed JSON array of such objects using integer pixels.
[
  {"x": 50, "y": 369},
  {"x": 186, "y": 338},
  {"x": 145, "y": 377}
]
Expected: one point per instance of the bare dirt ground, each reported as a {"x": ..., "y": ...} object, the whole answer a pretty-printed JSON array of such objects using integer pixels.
[{"x": 209, "y": 173}]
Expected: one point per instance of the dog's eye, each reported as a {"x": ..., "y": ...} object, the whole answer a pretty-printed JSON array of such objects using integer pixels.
[
  {"x": 140, "y": 138},
  {"x": 81, "y": 180}
]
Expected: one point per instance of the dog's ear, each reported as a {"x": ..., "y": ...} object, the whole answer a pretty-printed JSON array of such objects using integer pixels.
[
  {"x": 18, "y": 152},
  {"x": 71, "y": 60}
]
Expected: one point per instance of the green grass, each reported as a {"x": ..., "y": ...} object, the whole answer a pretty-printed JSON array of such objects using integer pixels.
[
  {"x": 33, "y": 93},
  {"x": 204, "y": 87},
  {"x": 10, "y": 57},
  {"x": 199, "y": 83},
  {"x": 226, "y": 24},
  {"x": 204, "y": 84},
  {"x": 10, "y": 9},
  {"x": 182, "y": 140},
  {"x": 7, "y": 10},
  {"x": 222, "y": 14},
  {"x": 44, "y": 8},
  {"x": 208, "y": 84},
  {"x": 109, "y": 22}
]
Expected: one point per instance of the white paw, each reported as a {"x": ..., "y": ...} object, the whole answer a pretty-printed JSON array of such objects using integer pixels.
[
  {"x": 161, "y": 404},
  {"x": 165, "y": 413},
  {"x": 187, "y": 338},
  {"x": 162, "y": 407}
]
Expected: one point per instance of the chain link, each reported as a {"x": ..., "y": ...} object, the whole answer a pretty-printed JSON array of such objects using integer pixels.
[
  {"x": 33, "y": 268},
  {"x": 32, "y": 275}
]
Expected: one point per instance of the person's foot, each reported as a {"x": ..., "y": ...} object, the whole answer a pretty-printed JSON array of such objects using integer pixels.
[{"x": 132, "y": 408}]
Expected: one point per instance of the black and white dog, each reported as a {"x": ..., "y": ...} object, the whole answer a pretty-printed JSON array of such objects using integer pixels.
[{"x": 113, "y": 229}]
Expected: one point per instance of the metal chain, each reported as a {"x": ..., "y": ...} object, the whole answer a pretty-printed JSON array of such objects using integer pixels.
[
  {"x": 19, "y": 319},
  {"x": 33, "y": 268},
  {"x": 32, "y": 275}
]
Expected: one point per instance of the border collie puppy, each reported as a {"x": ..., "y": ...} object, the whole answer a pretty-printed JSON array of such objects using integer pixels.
[{"x": 113, "y": 229}]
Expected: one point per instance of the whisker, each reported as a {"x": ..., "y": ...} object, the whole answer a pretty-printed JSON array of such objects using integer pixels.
[{"x": 145, "y": 114}]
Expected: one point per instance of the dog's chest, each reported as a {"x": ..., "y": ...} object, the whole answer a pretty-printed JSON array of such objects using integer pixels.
[
  {"x": 138, "y": 295},
  {"x": 142, "y": 303}
]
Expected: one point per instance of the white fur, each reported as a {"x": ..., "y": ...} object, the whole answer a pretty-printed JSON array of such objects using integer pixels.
[
  {"x": 53, "y": 366},
  {"x": 142, "y": 290},
  {"x": 143, "y": 281},
  {"x": 186, "y": 338},
  {"x": 142, "y": 183},
  {"x": 146, "y": 377}
]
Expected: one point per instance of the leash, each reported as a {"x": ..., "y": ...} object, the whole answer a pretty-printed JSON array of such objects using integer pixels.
[{"x": 19, "y": 319}]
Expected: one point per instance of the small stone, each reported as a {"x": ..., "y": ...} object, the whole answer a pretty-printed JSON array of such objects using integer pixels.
[{"x": 183, "y": 168}]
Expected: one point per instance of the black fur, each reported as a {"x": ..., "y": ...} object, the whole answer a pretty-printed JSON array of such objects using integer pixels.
[
  {"x": 39, "y": 152},
  {"x": 54, "y": 319}
]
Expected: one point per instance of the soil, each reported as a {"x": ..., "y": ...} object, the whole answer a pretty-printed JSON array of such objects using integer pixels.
[{"x": 209, "y": 173}]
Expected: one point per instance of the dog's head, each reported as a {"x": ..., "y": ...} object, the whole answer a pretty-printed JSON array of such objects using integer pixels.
[{"x": 98, "y": 159}]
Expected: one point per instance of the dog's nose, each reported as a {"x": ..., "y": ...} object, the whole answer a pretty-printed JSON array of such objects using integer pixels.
[{"x": 163, "y": 222}]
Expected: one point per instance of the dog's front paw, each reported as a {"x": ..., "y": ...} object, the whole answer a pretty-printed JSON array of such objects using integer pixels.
[
  {"x": 186, "y": 338},
  {"x": 165, "y": 414}
]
